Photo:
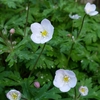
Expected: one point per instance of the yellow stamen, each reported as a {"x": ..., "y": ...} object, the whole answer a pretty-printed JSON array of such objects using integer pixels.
[
  {"x": 66, "y": 78},
  {"x": 44, "y": 33},
  {"x": 14, "y": 96},
  {"x": 82, "y": 90}
]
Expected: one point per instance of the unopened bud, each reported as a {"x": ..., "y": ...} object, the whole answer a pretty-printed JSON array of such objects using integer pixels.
[
  {"x": 12, "y": 31},
  {"x": 37, "y": 84},
  {"x": 27, "y": 8},
  {"x": 69, "y": 35}
]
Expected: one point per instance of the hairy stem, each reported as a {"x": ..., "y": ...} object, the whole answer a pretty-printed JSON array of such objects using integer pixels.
[{"x": 37, "y": 60}]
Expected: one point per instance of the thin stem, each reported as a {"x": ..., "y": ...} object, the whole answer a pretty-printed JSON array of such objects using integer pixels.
[
  {"x": 37, "y": 60},
  {"x": 24, "y": 98},
  {"x": 78, "y": 96},
  {"x": 81, "y": 26},
  {"x": 77, "y": 37},
  {"x": 27, "y": 13},
  {"x": 70, "y": 53},
  {"x": 11, "y": 40},
  {"x": 75, "y": 94},
  {"x": 6, "y": 43}
]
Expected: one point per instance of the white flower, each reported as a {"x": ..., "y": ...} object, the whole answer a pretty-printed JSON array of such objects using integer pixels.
[
  {"x": 83, "y": 90},
  {"x": 13, "y": 95},
  {"x": 90, "y": 9},
  {"x": 65, "y": 80},
  {"x": 43, "y": 32},
  {"x": 76, "y": 16}
]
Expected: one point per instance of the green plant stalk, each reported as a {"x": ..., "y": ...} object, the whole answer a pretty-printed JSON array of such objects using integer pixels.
[
  {"x": 27, "y": 14},
  {"x": 37, "y": 60},
  {"x": 77, "y": 37},
  {"x": 81, "y": 26},
  {"x": 78, "y": 96},
  {"x": 11, "y": 40},
  {"x": 75, "y": 94},
  {"x": 70, "y": 53}
]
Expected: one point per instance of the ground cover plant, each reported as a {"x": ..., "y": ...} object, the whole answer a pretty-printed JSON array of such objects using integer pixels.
[{"x": 49, "y": 50}]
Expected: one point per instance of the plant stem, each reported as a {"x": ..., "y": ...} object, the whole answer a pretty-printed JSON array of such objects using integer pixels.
[
  {"x": 78, "y": 96},
  {"x": 27, "y": 13},
  {"x": 37, "y": 60},
  {"x": 81, "y": 26},
  {"x": 70, "y": 53},
  {"x": 11, "y": 40},
  {"x": 77, "y": 37},
  {"x": 75, "y": 94}
]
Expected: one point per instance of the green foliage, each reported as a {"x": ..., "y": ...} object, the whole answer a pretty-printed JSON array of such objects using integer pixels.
[
  {"x": 44, "y": 93},
  {"x": 71, "y": 47},
  {"x": 12, "y": 3}
]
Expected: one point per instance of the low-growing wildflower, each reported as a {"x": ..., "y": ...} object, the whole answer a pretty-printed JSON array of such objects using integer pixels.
[
  {"x": 90, "y": 9},
  {"x": 65, "y": 80},
  {"x": 76, "y": 16},
  {"x": 13, "y": 95},
  {"x": 83, "y": 90},
  {"x": 42, "y": 33}
]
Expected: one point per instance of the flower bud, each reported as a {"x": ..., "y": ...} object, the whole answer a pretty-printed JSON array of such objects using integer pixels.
[
  {"x": 27, "y": 8},
  {"x": 12, "y": 31},
  {"x": 37, "y": 84},
  {"x": 69, "y": 35}
]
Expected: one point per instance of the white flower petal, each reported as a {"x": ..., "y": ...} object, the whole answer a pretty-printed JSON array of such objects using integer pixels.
[
  {"x": 36, "y": 28},
  {"x": 58, "y": 80},
  {"x": 35, "y": 38},
  {"x": 65, "y": 88},
  {"x": 76, "y": 16},
  {"x": 69, "y": 73},
  {"x": 46, "y": 24},
  {"x": 93, "y": 13},
  {"x": 93, "y": 7},
  {"x": 87, "y": 5},
  {"x": 73, "y": 82}
]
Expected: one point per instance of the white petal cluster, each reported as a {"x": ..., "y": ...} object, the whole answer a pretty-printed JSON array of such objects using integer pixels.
[
  {"x": 90, "y": 9},
  {"x": 13, "y": 95},
  {"x": 42, "y": 33},
  {"x": 83, "y": 90},
  {"x": 65, "y": 80},
  {"x": 76, "y": 16}
]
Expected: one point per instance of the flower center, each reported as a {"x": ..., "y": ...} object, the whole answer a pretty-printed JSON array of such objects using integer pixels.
[
  {"x": 44, "y": 33},
  {"x": 88, "y": 10},
  {"x": 82, "y": 90},
  {"x": 14, "y": 96},
  {"x": 66, "y": 78}
]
